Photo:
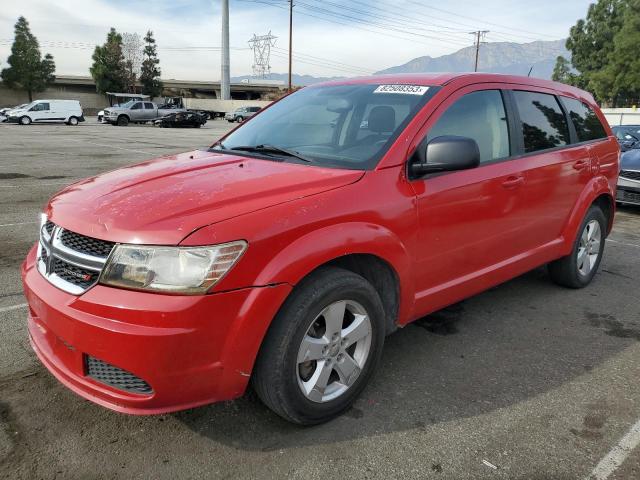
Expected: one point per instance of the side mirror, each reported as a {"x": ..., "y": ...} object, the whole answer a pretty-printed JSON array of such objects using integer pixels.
[{"x": 445, "y": 154}]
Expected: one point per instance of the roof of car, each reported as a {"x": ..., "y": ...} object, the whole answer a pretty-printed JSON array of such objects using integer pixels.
[{"x": 441, "y": 79}]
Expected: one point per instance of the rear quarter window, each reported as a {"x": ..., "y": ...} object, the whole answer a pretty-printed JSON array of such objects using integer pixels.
[
  {"x": 543, "y": 122},
  {"x": 584, "y": 119}
]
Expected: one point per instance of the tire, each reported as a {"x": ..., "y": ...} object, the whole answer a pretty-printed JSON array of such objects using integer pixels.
[
  {"x": 72, "y": 121},
  {"x": 240, "y": 119},
  {"x": 123, "y": 121},
  {"x": 25, "y": 120},
  {"x": 577, "y": 269},
  {"x": 283, "y": 383}
]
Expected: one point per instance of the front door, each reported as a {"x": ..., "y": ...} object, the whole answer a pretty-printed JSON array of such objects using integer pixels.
[{"x": 468, "y": 220}]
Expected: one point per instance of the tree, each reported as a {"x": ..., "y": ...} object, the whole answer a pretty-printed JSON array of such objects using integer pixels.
[
  {"x": 619, "y": 79},
  {"x": 562, "y": 70},
  {"x": 150, "y": 73},
  {"x": 109, "y": 69},
  {"x": 132, "y": 52},
  {"x": 598, "y": 52},
  {"x": 27, "y": 69}
]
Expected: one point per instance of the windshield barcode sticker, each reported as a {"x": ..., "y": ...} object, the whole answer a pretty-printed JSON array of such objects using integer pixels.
[{"x": 403, "y": 89}]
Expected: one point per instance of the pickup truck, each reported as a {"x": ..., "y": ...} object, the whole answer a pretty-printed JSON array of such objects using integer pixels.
[{"x": 136, "y": 112}]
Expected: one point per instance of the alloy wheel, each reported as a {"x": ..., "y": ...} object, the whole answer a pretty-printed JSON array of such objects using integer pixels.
[
  {"x": 334, "y": 351},
  {"x": 589, "y": 247}
]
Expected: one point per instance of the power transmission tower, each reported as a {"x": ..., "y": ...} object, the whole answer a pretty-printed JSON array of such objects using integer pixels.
[
  {"x": 261, "y": 46},
  {"x": 479, "y": 38}
]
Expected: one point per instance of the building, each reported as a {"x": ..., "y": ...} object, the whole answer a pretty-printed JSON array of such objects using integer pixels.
[{"x": 83, "y": 88}]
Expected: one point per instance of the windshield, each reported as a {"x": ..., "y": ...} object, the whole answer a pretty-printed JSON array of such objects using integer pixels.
[
  {"x": 343, "y": 126},
  {"x": 126, "y": 104}
]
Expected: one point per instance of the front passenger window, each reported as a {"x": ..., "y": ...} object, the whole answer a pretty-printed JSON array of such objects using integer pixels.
[{"x": 480, "y": 116}]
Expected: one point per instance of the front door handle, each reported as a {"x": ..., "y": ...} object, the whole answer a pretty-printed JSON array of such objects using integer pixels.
[
  {"x": 580, "y": 165},
  {"x": 513, "y": 181}
]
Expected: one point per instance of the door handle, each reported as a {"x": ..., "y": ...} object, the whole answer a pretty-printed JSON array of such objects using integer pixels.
[
  {"x": 580, "y": 165},
  {"x": 513, "y": 182}
]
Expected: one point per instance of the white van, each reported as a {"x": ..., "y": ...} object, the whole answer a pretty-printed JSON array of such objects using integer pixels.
[{"x": 46, "y": 111}]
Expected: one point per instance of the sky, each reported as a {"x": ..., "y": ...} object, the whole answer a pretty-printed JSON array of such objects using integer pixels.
[{"x": 331, "y": 37}]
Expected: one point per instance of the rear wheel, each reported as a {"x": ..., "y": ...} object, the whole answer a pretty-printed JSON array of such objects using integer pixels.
[
  {"x": 322, "y": 347},
  {"x": 25, "y": 120},
  {"x": 123, "y": 121},
  {"x": 240, "y": 119},
  {"x": 577, "y": 269}
]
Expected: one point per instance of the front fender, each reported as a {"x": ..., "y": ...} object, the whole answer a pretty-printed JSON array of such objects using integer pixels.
[{"x": 596, "y": 187}]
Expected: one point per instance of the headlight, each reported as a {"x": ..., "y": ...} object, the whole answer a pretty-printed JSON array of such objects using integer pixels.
[{"x": 187, "y": 270}]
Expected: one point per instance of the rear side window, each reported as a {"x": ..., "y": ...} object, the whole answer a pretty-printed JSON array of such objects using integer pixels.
[
  {"x": 148, "y": 106},
  {"x": 481, "y": 116},
  {"x": 585, "y": 120},
  {"x": 543, "y": 122}
]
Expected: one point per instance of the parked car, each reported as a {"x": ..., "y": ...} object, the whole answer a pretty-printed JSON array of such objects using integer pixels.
[
  {"x": 116, "y": 99},
  {"x": 628, "y": 136},
  {"x": 48, "y": 111},
  {"x": 6, "y": 112},
  {"x": 241, "y": 114},
  {"x": 283, "y": 255},
  {"x": 629, "y": 179},
  {"x": 182, "y": 119},
  {"x": 135, "y": 112}
]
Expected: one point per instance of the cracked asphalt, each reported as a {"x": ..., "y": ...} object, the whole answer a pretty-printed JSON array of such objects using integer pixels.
[{"x": 525, "y": 381}]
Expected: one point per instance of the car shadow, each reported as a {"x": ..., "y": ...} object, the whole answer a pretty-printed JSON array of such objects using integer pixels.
[{"x": 505, "y": 346}]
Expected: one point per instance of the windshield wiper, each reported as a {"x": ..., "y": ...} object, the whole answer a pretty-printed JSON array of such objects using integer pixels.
[{"x": 269, "y": 149}]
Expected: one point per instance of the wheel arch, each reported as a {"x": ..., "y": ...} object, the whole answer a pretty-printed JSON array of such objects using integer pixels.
[
  {"x": 369, "y": 250},
  {"x": 599, "y": 192}
]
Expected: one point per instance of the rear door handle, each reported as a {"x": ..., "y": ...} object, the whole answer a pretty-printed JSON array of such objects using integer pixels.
[
  {"x": 580, "y": 165},
  {"x": 513, "y": 181}
]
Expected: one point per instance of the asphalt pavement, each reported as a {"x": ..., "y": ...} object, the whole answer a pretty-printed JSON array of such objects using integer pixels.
[{"x": 525, "y": 381}]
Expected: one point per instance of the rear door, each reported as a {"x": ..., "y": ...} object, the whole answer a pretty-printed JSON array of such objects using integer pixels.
[
  {"x": 556, "y": 168},
  {"x": 150, "y": 112}
]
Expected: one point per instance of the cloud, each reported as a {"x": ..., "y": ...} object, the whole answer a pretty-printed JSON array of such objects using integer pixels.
[{"x": 187, "y": 31}]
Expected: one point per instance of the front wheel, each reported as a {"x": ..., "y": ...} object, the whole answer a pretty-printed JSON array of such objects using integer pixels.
[
  {"x": 123, "y": 121},
  {"x": 322, "y": 347},
  {"x": 577, "y": 269},
  {"x": 73, "y": 121}
]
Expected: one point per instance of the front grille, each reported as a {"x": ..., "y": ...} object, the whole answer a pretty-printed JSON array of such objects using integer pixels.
[
  {"x": 115, "y": 377},
  {"x": 86, "y": 245},
  {"x": 75, "y": 275},
  {"x": 70, "y": 261},
  {"x": 49, "y": 226},
  {"x": 630, "y": 174},
  {"x": 627, "y": 196}
]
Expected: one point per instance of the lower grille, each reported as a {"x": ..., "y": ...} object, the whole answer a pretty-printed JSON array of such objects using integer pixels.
[
  {"x": 627, "y": 196},
  {"x": 115, "y": 377},
  {"x": 630, "y": 174}
]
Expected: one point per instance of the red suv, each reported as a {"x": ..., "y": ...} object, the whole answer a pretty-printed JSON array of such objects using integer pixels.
[{"x": 284, "y": 254}]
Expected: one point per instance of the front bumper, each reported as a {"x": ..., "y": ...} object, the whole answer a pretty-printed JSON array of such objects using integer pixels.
[
  {"x": 190, "y": 350},
  {"x": 628, "y": 191}
]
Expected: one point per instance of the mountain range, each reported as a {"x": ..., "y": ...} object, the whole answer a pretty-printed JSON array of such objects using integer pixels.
[{"x": 495, "y": 57}]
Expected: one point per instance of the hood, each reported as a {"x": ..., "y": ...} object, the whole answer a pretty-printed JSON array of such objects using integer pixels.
[
  {"x": 630, "y": 160},
  {"x": 162, "y": 201}
]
